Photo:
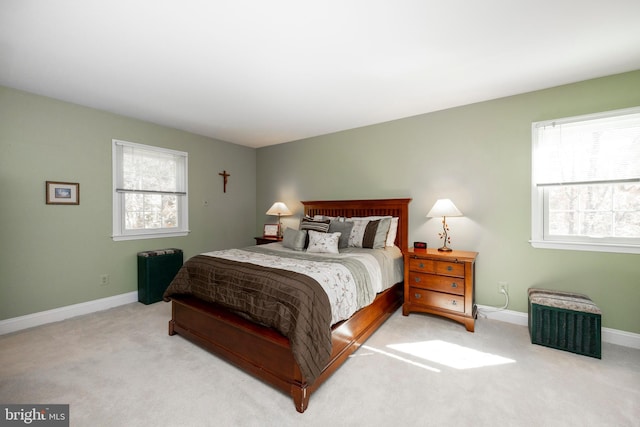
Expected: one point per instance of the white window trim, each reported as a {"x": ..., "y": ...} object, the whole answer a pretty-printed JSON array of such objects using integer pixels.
[
  {"x": 118, "y": 228},
  {"x": 537, "y": 201}
]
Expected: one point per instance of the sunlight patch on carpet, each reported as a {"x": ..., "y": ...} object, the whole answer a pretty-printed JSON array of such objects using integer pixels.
[
  {"x": 394, "y": 356},
  {"x": 452, "y": 355}
]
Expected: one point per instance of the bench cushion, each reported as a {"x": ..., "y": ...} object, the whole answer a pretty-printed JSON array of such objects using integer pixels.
[{"x": 561, "y": 299}]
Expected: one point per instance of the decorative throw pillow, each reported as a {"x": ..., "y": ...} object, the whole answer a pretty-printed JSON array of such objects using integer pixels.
[
  {"x": 323, "y": 242},
  {"x": 294, "y": 239},
  {"x": 344, "y": 228},
  {"x": 379, "y": 234},
  {"x": 357, "y": 231},
  {"x": 320, "y": 225},
  {"x": 370, "y": 232},
  {"x": 379, "y": 240}
]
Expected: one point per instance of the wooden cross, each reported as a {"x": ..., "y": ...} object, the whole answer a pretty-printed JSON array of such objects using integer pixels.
[{"x": 225, "y": 175}]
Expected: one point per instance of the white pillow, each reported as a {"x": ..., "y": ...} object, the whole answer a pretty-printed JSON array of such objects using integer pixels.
[
  {"x": 323, "y": 242},
  {"x": 393, "y": 231},
  {"x": 357, "y": 232}
]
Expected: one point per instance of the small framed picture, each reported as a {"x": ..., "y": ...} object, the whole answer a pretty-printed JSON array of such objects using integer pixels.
[
  {"x": 62, "y": 193},
  {"x": 271, "y": 230}
]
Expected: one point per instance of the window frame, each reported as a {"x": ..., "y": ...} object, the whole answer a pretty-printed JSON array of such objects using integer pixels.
[
  {"x": 540, "y": 207},
  {"x": 119, "y": 232}
]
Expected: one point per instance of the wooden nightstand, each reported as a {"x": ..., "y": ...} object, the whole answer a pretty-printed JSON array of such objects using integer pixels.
[
  {"x": 264, "y": 240},
  {"x": 440, "y": 283}
]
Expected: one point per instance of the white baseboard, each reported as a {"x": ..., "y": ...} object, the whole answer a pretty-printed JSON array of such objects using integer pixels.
[
  {"x": 57, "y": 314},
  {"x": 612, "y": 336}
]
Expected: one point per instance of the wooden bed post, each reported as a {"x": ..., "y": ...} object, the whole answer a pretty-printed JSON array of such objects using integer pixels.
[{"x": 300, "y": 397}]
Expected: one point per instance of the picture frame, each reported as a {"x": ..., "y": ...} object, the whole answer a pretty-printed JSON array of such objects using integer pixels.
[
  {"x": 271, "y": 230},
  {"x": 62, "y": 193}
]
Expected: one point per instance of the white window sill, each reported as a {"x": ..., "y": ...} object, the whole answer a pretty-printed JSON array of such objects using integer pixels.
[
  {"x": 149, "y": 236},
  {"x": 592, "y": 247}
]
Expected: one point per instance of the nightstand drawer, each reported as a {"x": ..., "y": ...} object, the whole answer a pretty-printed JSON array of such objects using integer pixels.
[
  {"x": 452, "y": 285},
  {"x": 436, "y": 299},
  {"x": 450, "y": 268},
  {"x": 437, "y": 267},
  {"x": 422, "y": 265}
]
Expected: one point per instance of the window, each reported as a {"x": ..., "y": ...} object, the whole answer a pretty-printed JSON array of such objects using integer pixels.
[
  {"x": 586, "y": 182},
  {"x": 149, "y": 192}
]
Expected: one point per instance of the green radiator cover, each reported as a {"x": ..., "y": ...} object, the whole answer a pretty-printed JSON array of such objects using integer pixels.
[{"x": 156, "y": 270}]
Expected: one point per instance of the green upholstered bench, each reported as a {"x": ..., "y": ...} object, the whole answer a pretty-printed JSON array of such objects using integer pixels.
[{"x": 565, "y": 321}]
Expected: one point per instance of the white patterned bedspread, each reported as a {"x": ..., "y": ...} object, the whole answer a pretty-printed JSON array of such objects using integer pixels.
[{"x": 351, "y": 279}]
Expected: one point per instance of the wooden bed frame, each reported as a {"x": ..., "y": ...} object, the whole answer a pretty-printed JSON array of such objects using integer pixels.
[{"x": 265, "y": 353}]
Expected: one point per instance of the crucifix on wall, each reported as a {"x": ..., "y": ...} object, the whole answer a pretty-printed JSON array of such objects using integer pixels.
[{"x": 225, "y": 176}]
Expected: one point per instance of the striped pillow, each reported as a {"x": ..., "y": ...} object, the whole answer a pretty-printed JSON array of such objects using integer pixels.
[
  {"x": 319, "y": 225},
  {"x": 369, "y": 232}
]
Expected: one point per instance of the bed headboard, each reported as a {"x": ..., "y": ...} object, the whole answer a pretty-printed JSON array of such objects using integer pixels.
[{"x": 360, "y": 208}]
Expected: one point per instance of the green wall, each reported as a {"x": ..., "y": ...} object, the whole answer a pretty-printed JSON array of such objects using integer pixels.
[
  {"x": 52, "y": 256},
  {"x": 478, "y": 155}
]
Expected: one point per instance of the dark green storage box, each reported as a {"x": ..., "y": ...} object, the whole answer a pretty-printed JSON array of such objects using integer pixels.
[
  {"x": 156, "y": 270},
  {"x": 565, "y": 321}
]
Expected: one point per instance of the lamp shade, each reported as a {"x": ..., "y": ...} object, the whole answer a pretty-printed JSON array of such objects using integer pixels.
[
  {"x": 444, "y": 207},
  {"x": 279, "y": 209}
]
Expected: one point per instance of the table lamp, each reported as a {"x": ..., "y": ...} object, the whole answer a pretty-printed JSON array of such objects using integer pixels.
[
  {"x": 444, "y": 208},
  {"x": 280, "y": 209}
]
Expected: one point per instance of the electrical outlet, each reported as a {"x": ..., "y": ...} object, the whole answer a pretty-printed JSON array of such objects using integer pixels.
[
  {"x": 104, "y": 280},
  {"x": 503, "y": 285}
]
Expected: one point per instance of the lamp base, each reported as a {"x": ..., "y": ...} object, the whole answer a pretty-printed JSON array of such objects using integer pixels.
[{"x": 445, "y": 249}]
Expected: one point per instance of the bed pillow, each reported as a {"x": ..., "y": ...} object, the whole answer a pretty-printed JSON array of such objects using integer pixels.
[
  {"x": 357, "y": 231},
  {"x": 294, "y": 239},
  {"x": 393, "y": 231},
  {"x": 380, "y": 234},
  {"x": 323, "y": 242},
  {"x": 321, "y": 217},
  {"x": 320, "y": 225},
  {"x": 369, "y": 233},
  {"x": 344, "y": 228}
]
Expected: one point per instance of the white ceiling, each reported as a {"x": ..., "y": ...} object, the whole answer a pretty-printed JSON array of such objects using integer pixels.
[{"x": 258, "y": 73}]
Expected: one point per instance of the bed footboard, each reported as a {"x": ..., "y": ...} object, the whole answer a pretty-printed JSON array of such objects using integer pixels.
[{"x": 264, "y": 352}]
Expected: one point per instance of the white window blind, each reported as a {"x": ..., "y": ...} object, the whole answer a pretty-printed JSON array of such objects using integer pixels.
[
  {"x": 586, "y": 182},
  {"x": 588, "y": 151},
  {"x": 150, "y": 191},
  {"x": 141, "y": 169}
]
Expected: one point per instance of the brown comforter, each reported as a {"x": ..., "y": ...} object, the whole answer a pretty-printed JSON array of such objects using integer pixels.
[{"x": 292, "y": 303}]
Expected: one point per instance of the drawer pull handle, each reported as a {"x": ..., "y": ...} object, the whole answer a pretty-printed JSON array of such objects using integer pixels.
[
  {"x": 454, "y": 302},
  {"x": 454, "y": 285},
  {"x": 449, "y": 268},
  {"x": 416, "y": 279},
  {"x": 421, "y": 265},
  {"x": 417, "y": 296}
]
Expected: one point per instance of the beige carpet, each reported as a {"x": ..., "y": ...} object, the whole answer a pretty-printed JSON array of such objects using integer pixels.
[{"x": 120, "y": 368}]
